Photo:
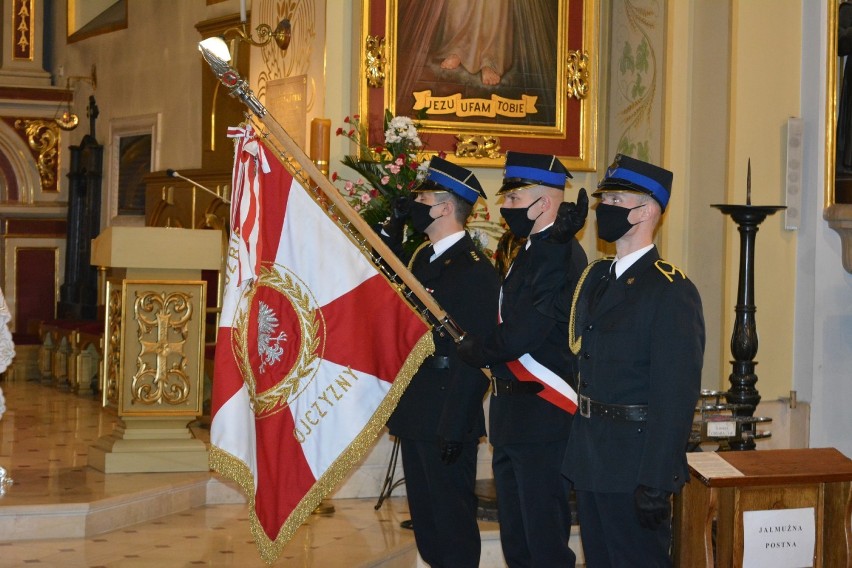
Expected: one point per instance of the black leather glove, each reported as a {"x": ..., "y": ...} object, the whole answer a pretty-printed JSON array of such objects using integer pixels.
[
  {"x": 653, "y": 506},
  {"x": 570, "y": 218},
  {"x": 450, "y": 451},
  {"x": 470, "y": 351},
  {"x": 400, "y": 207}
]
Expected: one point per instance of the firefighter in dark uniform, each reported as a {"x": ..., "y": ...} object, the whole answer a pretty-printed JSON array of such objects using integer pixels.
[
  {"x": 529, "y": 432},
  {"x": 440, "y": 419},
  {"x": 638, "y": 331}
]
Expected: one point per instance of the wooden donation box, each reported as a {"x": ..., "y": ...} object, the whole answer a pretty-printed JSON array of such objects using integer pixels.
[
  {"x": 773, "y": 508},
  {"x": 153, "y": 346}
]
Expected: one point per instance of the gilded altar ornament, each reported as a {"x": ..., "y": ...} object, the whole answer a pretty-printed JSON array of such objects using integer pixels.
[
  {"x": 374, "y": 58},
  {"x": 24, "y": 14},
  {"x": 477, "y": 146},
  {"x": 163, "y": 325},
  {"x": 112, "y": 351},
  {"x": 43, "y": 139},
  {"x": 272, "y": 342},
  {"x": 577, "y": 74}
]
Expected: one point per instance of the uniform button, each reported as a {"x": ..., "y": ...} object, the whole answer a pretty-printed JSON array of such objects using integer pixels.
[
  {"x": 639, "y": 430},
  {"x": 676, "y": 477},
  {"x": 443, "y": 388},
  {"x": 589, "y": 327},
  {"x": 584, "y": 384},
  {"x": 586, "y": 355}
]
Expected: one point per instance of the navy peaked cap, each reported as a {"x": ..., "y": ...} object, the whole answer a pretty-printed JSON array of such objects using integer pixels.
[
  {"x": 443, "y": 175},
  {"x": 527, "y": 170},
  {"x": 630, "y": 174}
]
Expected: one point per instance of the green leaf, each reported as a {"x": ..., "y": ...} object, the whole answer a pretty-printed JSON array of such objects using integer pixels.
[
  {"x": 626, "y": 62},
  {"x": 642, "y": 60}
]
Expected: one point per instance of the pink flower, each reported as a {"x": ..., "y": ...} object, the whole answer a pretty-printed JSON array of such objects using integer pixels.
[
  {"x": 356, "y": 207},
  {"x": 399, "y": 161},
  {"x": 385, "y": 180},
  {"x": 394, "y": 168},
  {"x": 365, "y": 198},
  {"x": 348, "y": 185}
]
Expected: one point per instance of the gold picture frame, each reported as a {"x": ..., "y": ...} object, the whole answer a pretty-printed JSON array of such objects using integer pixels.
[
  {"x": 837, "y": 209},
  {"x": 87, "y": 18},
  {"x": 545, "y": 98}
]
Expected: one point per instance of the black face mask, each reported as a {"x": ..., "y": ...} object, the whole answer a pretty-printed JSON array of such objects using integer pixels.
[
  {"x": 518, "y": 220},
  {"x": 421, "y": 216},
  {"x": 612, "y": 221}
]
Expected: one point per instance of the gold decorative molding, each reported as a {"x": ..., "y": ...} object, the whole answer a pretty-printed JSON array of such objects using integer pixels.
[
  {"x": 477, "y": 146},
  {"x": 112, "y": 344},
  {"x": 43, "y": 140},
  {"x": 577, "y": 74},
  {"x": 24, "y": 36},
  {"x": 163, "y": 320},
  {"x": 839, "y": 217},
  {"x": 374, "y": 60}
]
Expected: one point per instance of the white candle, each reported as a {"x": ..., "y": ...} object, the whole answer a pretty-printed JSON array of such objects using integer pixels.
[{"x": 242, "y": 10}]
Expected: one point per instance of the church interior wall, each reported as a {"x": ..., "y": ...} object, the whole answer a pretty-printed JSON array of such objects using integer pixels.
[
  {"x": 823, "y": 305},
  {"x": 711, "y": 128},
  {"x": 765, "y": 78}
]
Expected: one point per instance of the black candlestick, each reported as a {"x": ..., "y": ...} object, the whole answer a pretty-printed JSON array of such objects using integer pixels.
[{"x": 744, "y": 338}]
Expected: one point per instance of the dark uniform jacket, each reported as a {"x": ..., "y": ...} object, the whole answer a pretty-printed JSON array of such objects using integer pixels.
[
  {"x": 529, "y": 326},
  {"x": 643, "y": 343},
  {"x": 448, "y": 402}
]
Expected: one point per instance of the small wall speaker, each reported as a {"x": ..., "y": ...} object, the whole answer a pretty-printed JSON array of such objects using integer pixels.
[{"x": 793, "y": 181}]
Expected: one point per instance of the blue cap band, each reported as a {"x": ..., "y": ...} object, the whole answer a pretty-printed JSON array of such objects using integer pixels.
[
  {"x": 544, "y": 176},
  {"x": 464, "y": 191},
  {"x": 653, "y": 186}
]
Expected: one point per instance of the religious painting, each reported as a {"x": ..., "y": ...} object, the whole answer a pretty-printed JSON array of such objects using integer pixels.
[
  {"x": 133, "y": 152},
  {"x": 481, "y": 77},
  {"x": 134, "y": 162}
]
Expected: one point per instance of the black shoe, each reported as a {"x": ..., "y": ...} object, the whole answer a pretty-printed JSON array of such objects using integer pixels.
[{"x": 409, "y": 524}]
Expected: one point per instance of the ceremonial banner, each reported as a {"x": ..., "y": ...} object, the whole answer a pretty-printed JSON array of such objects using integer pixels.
[{"x": 315, "y": 348}]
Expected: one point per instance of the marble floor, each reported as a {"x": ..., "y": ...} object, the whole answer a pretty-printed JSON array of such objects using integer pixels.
[{"x": 60, "y": 512}]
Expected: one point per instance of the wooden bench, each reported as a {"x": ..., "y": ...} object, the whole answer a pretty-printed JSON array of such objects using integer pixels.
[{"x": 71, "y": 354}]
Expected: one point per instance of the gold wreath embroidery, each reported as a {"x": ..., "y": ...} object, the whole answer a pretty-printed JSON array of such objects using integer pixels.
[{"x": 277, "y": 398}]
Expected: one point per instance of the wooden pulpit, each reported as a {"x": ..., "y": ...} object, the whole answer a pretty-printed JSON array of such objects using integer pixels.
[
  {"x": 725, "y": 487},
  {"x": 153, "y": 346}
]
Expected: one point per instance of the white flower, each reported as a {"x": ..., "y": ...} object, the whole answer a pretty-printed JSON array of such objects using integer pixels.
[
  {"x": 400, "y": 129},
  {"x": 480, "y": 237},
  {"x": 422, "y": 169}
]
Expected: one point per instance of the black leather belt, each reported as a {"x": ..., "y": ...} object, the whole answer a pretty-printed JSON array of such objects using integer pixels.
[
  {"x": 437, "y": 362},
  {"x": 624, "y": 412},
  {"x": 501, "y": 387}
]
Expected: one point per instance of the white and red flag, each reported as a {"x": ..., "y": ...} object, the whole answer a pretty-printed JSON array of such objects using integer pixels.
[{"x": 315, "y": 347}]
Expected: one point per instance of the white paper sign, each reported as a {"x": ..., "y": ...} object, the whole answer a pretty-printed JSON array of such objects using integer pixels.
[{"x": 782, "y": 538}]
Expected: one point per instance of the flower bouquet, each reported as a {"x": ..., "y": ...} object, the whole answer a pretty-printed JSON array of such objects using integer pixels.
[
  {"x": 393, "y": 170},
  {"x": 386, "y": 172}
]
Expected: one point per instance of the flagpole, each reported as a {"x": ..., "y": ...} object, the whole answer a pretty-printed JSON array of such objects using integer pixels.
[{"x": 240, "y": 89}]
